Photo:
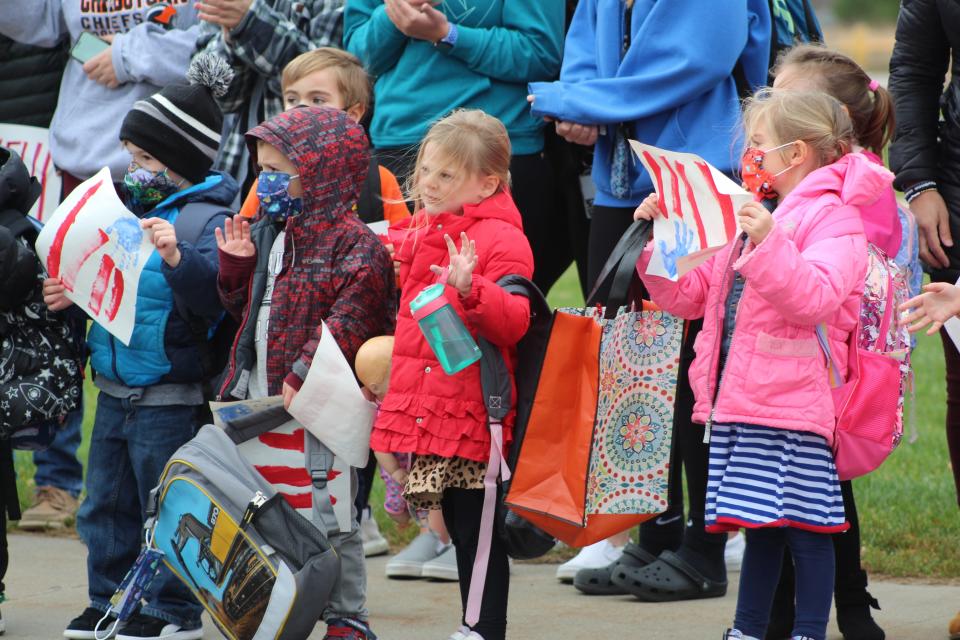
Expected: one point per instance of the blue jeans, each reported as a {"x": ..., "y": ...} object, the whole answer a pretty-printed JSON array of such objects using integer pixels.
[
  {"x": 813, "y": 558},
  {"x": 57, "y": 466},
  {"x": 129, "y": 448}
]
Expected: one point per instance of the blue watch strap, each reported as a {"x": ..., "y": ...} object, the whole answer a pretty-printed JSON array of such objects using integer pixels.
[{"x": 450, "y": 40}]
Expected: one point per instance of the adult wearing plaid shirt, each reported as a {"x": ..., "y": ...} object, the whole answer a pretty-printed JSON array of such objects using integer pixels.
[{"x": 258, "y": 38}]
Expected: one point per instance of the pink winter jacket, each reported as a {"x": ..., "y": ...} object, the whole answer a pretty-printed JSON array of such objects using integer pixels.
[{"x": 808, "y": 270}]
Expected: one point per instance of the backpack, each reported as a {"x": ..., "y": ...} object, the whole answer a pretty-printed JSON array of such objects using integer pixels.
[
  {"x": 258, "y": 567},
  {"x": 523, "y": 540},
  {"x": 869, "y": 404},
  {"x": 791, "y": 22}
]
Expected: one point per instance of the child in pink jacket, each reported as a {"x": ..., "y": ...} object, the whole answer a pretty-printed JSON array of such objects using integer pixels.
[{"x": 759, "y": 376}]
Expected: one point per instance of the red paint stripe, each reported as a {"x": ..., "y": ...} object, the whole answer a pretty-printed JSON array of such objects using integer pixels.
[
  {"x": 701, "y": 230},
  {"x": 726, "y": 202},
  {"x": 655, "y": 168},
  {"x": 286, "y": 441},
  {"x": 68, "y": 277},
  {"x": 99, "y": 287},
  {"x": 299, "y": 500},
  {"x": 43, "y": 181},
  {"x": 56, "y": 247},
  {"x": 293, "y": 476},
  {"x": 116, "y": 295},
  {"x": 675, "y": 184}
]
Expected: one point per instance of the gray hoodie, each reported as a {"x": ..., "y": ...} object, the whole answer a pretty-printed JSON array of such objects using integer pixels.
[{"x": 150, "y": 50}]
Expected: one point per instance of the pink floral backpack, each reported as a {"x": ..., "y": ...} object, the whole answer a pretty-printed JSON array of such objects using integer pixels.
[{"x": 869, "y": 403}]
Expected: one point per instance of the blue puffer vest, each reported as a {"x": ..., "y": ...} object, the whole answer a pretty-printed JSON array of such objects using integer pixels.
[{"x": 163, "y": 348}]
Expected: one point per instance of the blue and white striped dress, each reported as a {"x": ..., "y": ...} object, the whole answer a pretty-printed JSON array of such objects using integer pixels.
[{"x": 768, "y": 477}]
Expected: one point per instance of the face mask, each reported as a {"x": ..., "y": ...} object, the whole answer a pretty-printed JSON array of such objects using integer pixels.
[
  {"x": 275, "y": 199},
  {"x": 759, "y": 180},
  {"x": 148, "y": 188}
]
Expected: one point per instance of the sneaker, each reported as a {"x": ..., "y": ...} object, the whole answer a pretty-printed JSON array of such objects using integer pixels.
[
  {"x": 735, "y": 634},
  {"x": 409, "y": 562},
  {"x": 443, "y": 567},
  {"x": 340, "y": 629},
  {"x": 733, "y": 554},
  {"x": 84, "y": 626},
  {"x": 594, "y": 556},
  {"x": 52, "y": 509},
  {"x": 143, "y": 627},
  {"x": 3, "y": 625},
  {"x": 374, "y": 544}
]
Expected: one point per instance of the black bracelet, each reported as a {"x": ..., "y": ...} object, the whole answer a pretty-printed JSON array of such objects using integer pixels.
[{"x": 915, "y": 190}]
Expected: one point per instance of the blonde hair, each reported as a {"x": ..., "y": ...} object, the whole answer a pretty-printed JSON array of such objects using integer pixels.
[
  {"x": 832, "y": 72},
  {"x": 811, "y": 116},
  {"x": 352, "y": 80}
]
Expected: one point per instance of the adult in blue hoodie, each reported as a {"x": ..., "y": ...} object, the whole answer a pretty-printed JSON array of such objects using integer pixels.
[
  {"x": 672, "y": 87},
  {"x": 477, "y": 54},
  {"x": 151, "y": 390}
]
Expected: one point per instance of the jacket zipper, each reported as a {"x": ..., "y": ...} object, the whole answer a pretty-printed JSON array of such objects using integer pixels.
[{"x": 720, "y": 375}]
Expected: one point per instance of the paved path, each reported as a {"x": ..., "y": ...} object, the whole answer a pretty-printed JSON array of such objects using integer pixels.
[{"x": 46, "y": 586}]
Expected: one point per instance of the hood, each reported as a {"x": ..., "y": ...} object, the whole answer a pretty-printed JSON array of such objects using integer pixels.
[
  {"x": 18, "y": 191},
  {"x": 330, "y": 152},
  {"x": 854, "y": 178},
  {"x": 217, "y": 188}
]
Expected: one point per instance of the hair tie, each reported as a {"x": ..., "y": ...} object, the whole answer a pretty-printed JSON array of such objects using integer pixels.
[{"x": 873, "y": 86}]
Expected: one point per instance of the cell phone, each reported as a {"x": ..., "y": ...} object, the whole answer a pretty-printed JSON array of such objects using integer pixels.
[{"x": 87, "y": 46}]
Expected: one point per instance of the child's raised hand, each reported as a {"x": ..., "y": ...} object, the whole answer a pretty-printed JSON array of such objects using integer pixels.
[
  {"x": 54, "y": 295},
  {"x": 235, "y": 238},
  {"x": 462, "y": 264},
  {"x": 939, "y": 302},
  {"x": 164, "y": 239},
  {"x": 648, "y": 209},
  {"x": 755, "y": 221}
]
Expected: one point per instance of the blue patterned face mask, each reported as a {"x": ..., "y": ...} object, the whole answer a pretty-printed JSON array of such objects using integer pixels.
[
  {"x": 274, "y": 195},
  {"x": 148, "y": 188}
]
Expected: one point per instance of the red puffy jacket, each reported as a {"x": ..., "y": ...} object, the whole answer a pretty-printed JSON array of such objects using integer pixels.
[{"x": 427, "y": 411}]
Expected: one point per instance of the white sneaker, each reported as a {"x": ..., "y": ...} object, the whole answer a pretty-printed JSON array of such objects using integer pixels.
[
  {"x": 374, "y": 544},
  {"x": 597, "y": 555},
  {"x": 443, "y": 567},
  {"x": 733, "y": 554},
  {"x": 409, "y": 562}
]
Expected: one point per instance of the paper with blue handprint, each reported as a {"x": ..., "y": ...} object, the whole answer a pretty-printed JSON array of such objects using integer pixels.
[{"x": 698, "y": 206}]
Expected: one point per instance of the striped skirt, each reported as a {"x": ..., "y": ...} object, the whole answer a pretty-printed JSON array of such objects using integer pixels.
[{"x": 767, "y": 477}]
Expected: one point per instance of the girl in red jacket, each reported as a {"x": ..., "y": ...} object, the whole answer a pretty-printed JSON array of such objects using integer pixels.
[{"x": 467, "y": 233}]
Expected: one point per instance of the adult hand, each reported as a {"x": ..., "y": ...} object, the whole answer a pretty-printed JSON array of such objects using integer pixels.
[
  {"x": 648, "y": 209},
  {"x": 54, "y": 295},
  {"x": 100, "y": 69},
  {"x": 934, "y": 221},
  {"x": 235, "y": 238},
  {"x": 289, "y": 393},
  {"x": 164, "y": 239},
  {"x": 226, "y": 13},
  {"x": 462, "y": 264},
  {"x": 755, "y": 221},
  {"x": 585, "y": 134},
  {"x": 417, "y": 20},
  {"x": 939, "y": 302}
]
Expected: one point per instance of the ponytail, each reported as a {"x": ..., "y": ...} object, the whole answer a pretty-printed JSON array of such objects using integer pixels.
[{"x": 878, "y": 129}]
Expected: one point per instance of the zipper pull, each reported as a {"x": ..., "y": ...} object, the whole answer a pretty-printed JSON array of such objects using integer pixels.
[
  {"x": 256, "y": 502},
  {"x": 708, "y": 427}
]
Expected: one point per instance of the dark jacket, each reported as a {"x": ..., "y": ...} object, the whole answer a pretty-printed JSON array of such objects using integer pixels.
[
  {"x": 29, "y": 82},
  {"x": 926, "y": 146},
  {"x": 335, "y": 269},
  {"x": 40, "y": 370}
]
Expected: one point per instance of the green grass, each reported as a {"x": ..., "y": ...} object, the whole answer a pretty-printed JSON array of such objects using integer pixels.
[{"x": 908, "y": 511}]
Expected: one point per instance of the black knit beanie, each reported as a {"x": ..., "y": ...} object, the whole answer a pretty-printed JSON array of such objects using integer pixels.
[{"x": 180, "y": 126}]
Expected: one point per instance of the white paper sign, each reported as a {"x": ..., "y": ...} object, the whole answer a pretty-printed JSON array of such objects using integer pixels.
[
  {"x": 698, "y": 206},
  {"x": 331, "y": 406},
  {"x": 98, "y": 249},
  {"x": 32, "y": 144}
]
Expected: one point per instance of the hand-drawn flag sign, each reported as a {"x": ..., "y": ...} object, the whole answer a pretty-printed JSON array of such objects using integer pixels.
[
  {"x": 32, "y": 144},
  {"x": 699, "y": 206},
  {"x": 98, "y": 250}
]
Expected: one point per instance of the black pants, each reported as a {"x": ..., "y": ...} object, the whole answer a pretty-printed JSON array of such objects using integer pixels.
[
  {"x": 461, "y": 513},
  {"x": 365, "y": 479},
  {"x": 606, "y": 227},
  {"x": 952, "y": 361},
  {"x": 9, "y": 503}
]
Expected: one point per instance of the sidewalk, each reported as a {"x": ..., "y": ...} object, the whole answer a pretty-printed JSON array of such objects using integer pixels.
[{"x": 46, "y": 587}]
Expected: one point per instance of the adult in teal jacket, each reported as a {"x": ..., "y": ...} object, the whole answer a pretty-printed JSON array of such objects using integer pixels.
[
  {"x": 661, "y": 73},
  {"x": 429, "y": 60}
]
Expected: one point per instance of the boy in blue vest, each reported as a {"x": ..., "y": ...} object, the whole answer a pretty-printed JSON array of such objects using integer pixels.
[{"x": 152, "y": 390}]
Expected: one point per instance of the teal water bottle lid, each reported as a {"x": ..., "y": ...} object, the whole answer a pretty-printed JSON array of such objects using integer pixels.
[{"x": 425, "y": 297}]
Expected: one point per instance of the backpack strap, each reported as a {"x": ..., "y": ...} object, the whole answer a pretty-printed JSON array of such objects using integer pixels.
[
  {"x": 319, "y": 460},
  {"x": 370, "y": 202},
  {"x": 253, "y": 425}
]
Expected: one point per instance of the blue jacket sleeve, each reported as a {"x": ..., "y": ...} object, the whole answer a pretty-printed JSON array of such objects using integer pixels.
[
  {"x": 369, "y": 34},
  {"x": 528, "y": 44},
  {"x": 194, "y": 280},
  {"x": 672, "y": 60}
]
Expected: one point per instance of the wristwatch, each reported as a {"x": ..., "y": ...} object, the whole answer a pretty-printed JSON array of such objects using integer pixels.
[{"x": 449, "y": 41}]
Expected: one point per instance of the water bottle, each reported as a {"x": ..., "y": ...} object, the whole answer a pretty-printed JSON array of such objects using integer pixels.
[{"x": 442, "y": 327}]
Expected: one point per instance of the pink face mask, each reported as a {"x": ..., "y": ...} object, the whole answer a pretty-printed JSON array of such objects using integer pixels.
[{"x": 758, "y": 180}]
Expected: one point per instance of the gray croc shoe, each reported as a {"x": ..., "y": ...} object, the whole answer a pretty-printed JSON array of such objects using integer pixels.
[
  {"x": 598, "y": 582},
  {"x": 668, "y": 579}
]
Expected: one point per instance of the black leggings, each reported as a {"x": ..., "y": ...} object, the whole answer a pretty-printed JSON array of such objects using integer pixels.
[
  {"x": 606, "y": 227},
  {"x": 952, "y": 361},
  {"x": 461, "y": 513}
]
